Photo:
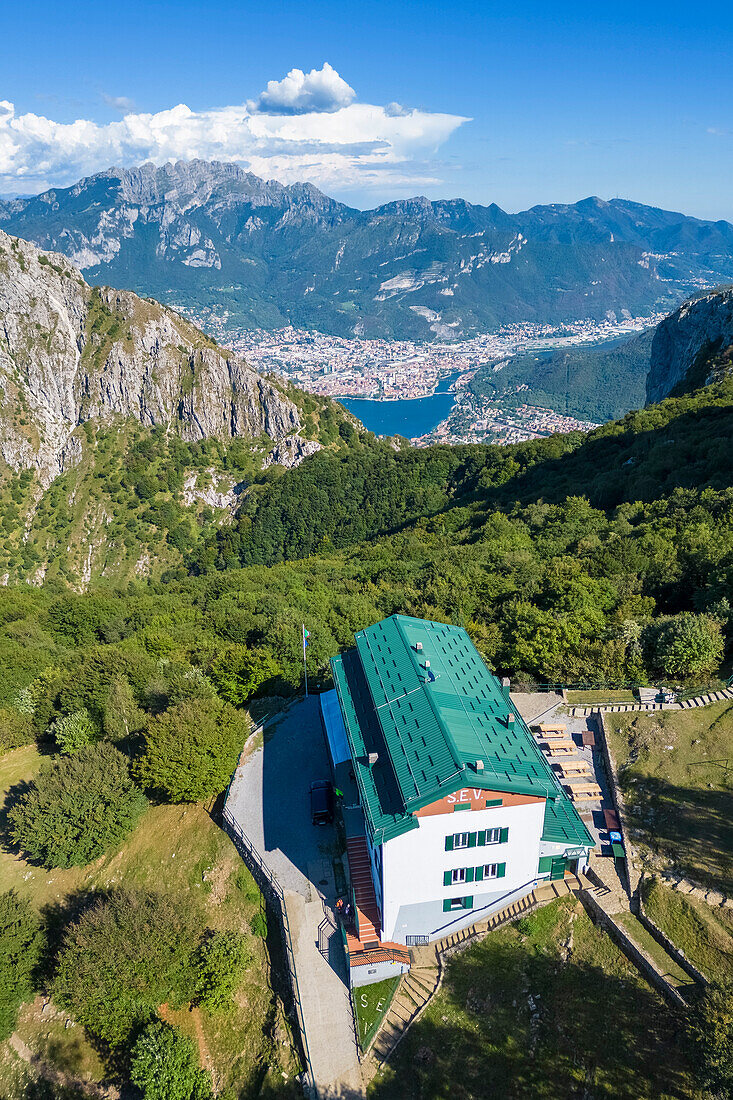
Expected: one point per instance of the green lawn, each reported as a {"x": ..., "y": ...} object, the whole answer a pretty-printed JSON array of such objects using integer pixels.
[
  {"x": 671, "y": 970},
  {"x": 676, "y": 770},
  {"x": 545, "y": 1008},
  {"x": 705, "y": 934},
  {"x": 176, "y": 849},
  {"x": 601, "y": 695},
  {"x": 372, "y": 1004}
]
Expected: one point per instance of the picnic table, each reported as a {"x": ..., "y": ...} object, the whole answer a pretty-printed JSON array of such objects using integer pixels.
[
  {"x": 611, "y": 819},
  {"x": 589, "y": 738},
  {"x": 547, "y": 728},
  {"x": 578, "y": 766},
  {"x": 551, "y": 735},
  {"x": 565, "y": 749},
  {"x": 583, "y": 791}
]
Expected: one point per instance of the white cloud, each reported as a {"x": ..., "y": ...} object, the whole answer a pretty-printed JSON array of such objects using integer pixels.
[
  {"x": 121, "y": 103},
  {"x": 309, "y": 136},
  {"x": 300, "y": 93}
]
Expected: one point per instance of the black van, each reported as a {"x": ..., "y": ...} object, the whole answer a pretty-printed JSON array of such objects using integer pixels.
[{"x": 322, "y": 802}]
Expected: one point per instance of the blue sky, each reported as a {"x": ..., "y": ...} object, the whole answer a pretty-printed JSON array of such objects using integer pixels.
[{"x": 548, "y": 104}]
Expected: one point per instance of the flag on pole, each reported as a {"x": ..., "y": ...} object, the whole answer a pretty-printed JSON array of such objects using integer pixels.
[{"x": 306, "y": 636}]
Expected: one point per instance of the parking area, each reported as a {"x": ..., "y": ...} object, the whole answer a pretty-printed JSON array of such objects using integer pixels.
[{"x": 269, "y": 798}]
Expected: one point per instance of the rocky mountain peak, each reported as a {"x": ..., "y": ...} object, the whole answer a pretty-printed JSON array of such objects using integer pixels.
[
  {"x": 691, "y": 344},
  {"x": 70, "y": 353}
]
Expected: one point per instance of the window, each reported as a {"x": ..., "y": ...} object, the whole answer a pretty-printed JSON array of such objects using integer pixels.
[
  {"x": 490, "y": 870},
  {"x": 493, "y": 836},
  {"x": 458, "y": 875},
  {"x": 456, "y": 903},
  {"x": 460, "y": 840},
  {"x": 450, "y": 904}
]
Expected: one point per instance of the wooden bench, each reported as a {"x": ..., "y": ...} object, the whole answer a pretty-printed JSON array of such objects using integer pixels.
[
  {"x": 551, "y": 735},
  {"x": 560, "y": 750},
  {"x": 576, "y": 766},
  {"x": 551, "y": 729},
  {"x": 583, "y": 792}
]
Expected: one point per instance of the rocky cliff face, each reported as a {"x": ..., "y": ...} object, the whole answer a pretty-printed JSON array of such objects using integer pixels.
[
  {"x": 70, "y": 353},
  {"x": 689, "y": 347}
]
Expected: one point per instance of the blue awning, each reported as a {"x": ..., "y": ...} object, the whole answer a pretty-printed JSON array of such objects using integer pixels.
[{"x": 333, "y": 724}]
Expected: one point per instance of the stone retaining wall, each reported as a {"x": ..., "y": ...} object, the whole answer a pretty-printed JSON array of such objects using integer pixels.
[
  {"x": 631, "y": 949},
  {"x": 679, "y": 956}
]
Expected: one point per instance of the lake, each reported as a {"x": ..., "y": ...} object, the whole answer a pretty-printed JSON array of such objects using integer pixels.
[{"x": 410, "y": 417}]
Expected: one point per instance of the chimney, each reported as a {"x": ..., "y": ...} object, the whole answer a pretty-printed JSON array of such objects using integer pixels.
[
  {"x": 418, "y": 647},
  {"x": 372, "y": 759},
  {"x": 505, "y": 685},
  {"x": 479, "y": 765}
]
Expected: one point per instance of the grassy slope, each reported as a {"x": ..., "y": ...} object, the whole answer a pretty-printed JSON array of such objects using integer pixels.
[
  {"x": 176, "y": 849},
  {"x": 704, "y": 933},
  {"x": 679, "y": 797},
  {"x": 519, "y": 1017}
]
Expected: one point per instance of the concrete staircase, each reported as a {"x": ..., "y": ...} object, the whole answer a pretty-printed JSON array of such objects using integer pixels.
[{"x": 423, "y": 980}]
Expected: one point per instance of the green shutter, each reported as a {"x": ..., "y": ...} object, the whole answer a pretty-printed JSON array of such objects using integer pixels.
[
  {"x": 472, "y": 840},
  {"x": 479, "y": 873},
  {"x": 503, "y": 836},
  {"x": 557, "y": 867},
  {"x": 468, "y": 903},
  {"x": 469, "y": 874},
  {"x": 545, "y": 864},
  {"x": 500, "y": 870},
  {"x": 494, "y": 802},
  {"x": 481, "y": 840},
  {"x": 446, "y": 878},
  {"x": 449, "y": 843},
  {"x": 462, "y": 806},
  {"x": 446, "y": 905}
]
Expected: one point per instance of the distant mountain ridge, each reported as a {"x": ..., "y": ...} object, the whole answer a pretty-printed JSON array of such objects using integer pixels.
[{"x": 207, "y": 235}]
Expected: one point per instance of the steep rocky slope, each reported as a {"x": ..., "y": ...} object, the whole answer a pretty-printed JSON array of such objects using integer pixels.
[
  {"x": 212, "y": 236},
  {"x": 693, "y": 346},
  {"x": 70, "y": 353}
]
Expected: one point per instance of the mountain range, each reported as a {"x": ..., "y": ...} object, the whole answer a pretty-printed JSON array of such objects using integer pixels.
[{"x": 212, "y": 237}]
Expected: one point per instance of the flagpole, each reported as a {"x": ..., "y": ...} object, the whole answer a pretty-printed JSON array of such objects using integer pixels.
[{"x": 305, "y": 666}]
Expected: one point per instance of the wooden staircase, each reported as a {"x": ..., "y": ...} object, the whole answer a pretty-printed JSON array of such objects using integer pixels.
[{"x": 424, "y": 978}]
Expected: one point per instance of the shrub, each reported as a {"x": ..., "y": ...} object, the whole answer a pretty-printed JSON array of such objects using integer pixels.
[
  {"x": 686, "y": 645},
  {"x": 711, "y": 1027},
  {"x": 16, "y": 729},
  {"x": 258, "y": 925},
  {"x": 127, "y": 954},
  {"x": 191, "y": 750},
  {"x": 72, "y": 732},
  {"x": 165, "y": 1065},
  {"x": 21, "y": 943},
  {"x": 77, "y": 807},
  {"x": 220, "y": 962}
]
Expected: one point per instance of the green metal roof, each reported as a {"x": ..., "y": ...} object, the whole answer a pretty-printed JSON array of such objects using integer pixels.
[{"x": 418, "y": 694}]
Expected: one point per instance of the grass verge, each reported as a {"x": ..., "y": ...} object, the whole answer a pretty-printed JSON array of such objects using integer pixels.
[
  {"x": 371, "y": 1003},
  {"x": 675, "y": 975},
  {"x": 704, "y": 934}
]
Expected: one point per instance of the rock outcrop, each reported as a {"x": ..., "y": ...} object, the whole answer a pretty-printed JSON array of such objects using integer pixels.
[
  {"x": 70, "y": 353},
  {"x": 689, "y": 345}
]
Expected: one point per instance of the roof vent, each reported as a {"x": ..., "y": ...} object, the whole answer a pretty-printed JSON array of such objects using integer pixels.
[
  {"x": 510, "y": 719},
  {"x": 479, "y": 765},
  {"x": 372, "y": 758},
  {"x": 418, "y": 647},
  {"x": 426, "y": 665}
]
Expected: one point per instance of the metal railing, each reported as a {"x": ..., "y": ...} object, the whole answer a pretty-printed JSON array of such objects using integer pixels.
[{"x": 273, "y": 892}]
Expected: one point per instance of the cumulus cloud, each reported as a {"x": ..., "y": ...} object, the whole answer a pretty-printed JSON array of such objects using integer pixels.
[
  {"x": 303, "y": 131},
  {"x": 300, "y": 93}
]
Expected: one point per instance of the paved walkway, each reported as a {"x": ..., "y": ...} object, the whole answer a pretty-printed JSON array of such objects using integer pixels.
[{"x": 269, "y": 798}]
